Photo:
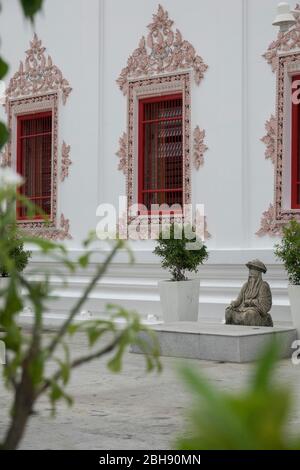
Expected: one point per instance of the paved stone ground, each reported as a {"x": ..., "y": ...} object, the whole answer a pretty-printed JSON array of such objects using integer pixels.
[{"x": 131, "y": 410}]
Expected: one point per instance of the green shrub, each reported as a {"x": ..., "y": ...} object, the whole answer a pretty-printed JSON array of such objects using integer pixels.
[
  {"x": 288, "y": 251},
  {"x": 173, "y": 250},
  {"x": 17, "y": 254}
]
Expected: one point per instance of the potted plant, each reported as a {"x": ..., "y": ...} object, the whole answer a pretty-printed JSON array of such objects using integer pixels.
[
  {"x": 288, "y": 251},
  {"x": 16, "y": 254},
  {"x": 180, "y": 296}
]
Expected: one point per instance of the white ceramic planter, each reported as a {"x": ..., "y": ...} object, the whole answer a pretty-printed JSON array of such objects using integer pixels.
[
  {"x": 179, "y": 300},
  {"x": 4, "y": 281},
  {"x": 294, "y": 295}
]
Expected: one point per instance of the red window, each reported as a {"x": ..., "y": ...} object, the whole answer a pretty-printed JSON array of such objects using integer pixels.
[
  {"x": 160, "y": 151},
  {"x": 295, "y": 149},
  {"x": 34, "y": 161}
]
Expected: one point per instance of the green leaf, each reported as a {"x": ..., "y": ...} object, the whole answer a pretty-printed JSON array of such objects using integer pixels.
[
  {"x": 4, "y": 134},
  {"x": 14, "y": 302},
  {"x": 36, "y": 369},
  {"x": 172, "y": 247},
  {"x": 288, "y": 251},
  {"x": 84, "y": 260},
  {"x": 3, "y": 68},
  {"x": 252, "y": 419},
  {"x": 73, "y": 328},
  {"x": 57, "y": 393},
  {"x": 31, "y": 7},
  {"x": 266, "y": 365},
  {"x": 64, "y": 371},
  {"x": 13, "y": 337},
  {"x": 93, "y": 335},
  {"x": 115, "y": 364}
]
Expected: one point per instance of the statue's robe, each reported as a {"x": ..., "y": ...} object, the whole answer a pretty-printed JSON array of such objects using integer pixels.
[{"x": 255, "y": 314}]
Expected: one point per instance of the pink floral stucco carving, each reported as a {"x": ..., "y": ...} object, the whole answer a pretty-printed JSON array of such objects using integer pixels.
[
  {"x": 65, "y": 161},
  {"x": 270, "y": 139},
  {"x": 37, "y": 75},
  {"x": 37, "y": 86},
  {"x": 38, "y": 229},
  {"x": 199, "y": 147},
  {"x": 286, "y": 41},
  {"x": 164, "y": 50},
  {"x": 122, "y": 153},
  {"x": 271, "y": 225}
]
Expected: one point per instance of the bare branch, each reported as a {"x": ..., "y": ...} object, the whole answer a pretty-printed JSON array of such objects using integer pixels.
[
  {"x": 101, "y": 270},
  {"x": 82, "y": 360}
]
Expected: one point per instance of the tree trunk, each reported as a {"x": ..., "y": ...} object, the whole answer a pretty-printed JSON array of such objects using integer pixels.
[{"x": 22, "y": 408}]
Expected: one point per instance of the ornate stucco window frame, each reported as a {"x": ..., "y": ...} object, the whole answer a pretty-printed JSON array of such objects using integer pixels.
[
  {"x": 283, "y": 55},
  {"x": 17, "y": 107},
  {"x": 164, "y": 62},
  {"x": 288, "y": 66},
  {"x": 157, "y": 86},
  {"x": 37, "y": 86}
]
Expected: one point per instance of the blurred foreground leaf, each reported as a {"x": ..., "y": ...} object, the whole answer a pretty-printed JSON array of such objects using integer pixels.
[
  {"x": 31, "y": 7},
  {"x": 253, "y": 419}
]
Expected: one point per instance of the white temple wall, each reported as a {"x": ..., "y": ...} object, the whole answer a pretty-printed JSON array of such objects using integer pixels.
[{"x": 90, "y": 41}]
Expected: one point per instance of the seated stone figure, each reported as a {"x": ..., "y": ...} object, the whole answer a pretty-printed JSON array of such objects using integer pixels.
[{"x": 254, "y": 302}]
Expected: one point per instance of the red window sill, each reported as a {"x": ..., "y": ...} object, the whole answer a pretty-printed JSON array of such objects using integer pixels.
[{"x": 175, "y": 212}]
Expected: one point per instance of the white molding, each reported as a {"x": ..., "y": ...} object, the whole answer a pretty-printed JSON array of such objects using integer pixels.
[
  {"x": 245, "y": 127},
  {"x": 101, "y": 114},
  {"x": 143, "y": 254}
]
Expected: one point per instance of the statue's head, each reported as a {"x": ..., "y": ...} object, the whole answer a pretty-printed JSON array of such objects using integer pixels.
[{"x": 256, "y": 268}]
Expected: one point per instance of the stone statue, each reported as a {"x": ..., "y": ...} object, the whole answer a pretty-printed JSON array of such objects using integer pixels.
[{"x": 254, "y": 302}]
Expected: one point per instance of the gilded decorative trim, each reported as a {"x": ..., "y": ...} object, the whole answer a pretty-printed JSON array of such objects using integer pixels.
[
  {"x": 270, "y": 139},
  {"x": 65, "y": 161},
  {"x": 37, "y": 75},
  {"x": 122, "y": 153},
  {"x": 164, "y": 51},
  {"x": 199, "y": 147}
]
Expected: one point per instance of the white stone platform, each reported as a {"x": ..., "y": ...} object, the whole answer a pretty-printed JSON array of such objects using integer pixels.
[{"x": 219, "y": 342}]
